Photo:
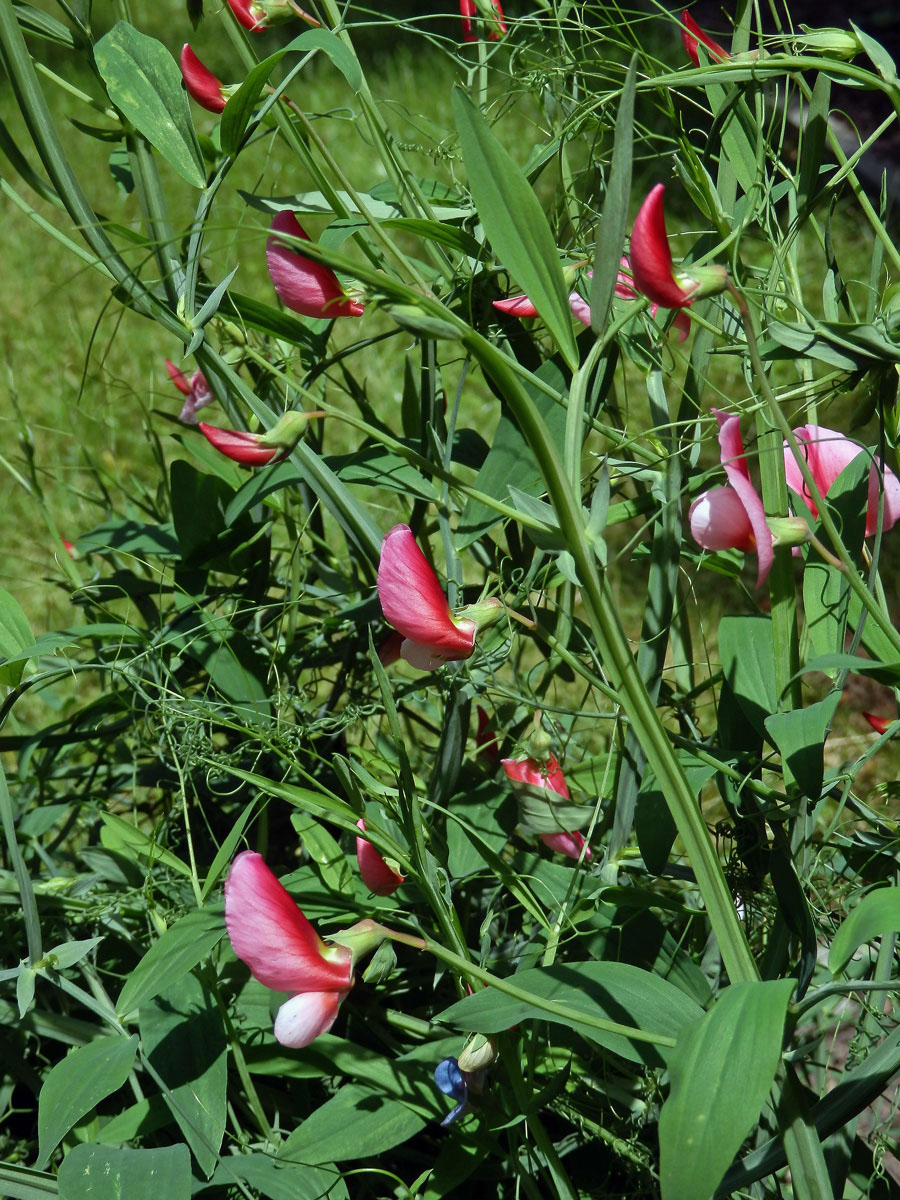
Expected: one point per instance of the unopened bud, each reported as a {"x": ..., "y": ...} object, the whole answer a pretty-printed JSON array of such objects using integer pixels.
[
  {"x": 834, "y": 43},
  {"x": 360, "y": 939},
  {"x": 480, "y": 1052},
  {"x": 286, "y": 432},
  {"x": 483, "y": 614},
  {"x": 789, "y": 531},
  {"x": 702, "y": 281},
  {"x": 408, "y": 316}
]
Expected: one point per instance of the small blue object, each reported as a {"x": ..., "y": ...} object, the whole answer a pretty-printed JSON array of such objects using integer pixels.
[{"x": 452, "y": 1082}]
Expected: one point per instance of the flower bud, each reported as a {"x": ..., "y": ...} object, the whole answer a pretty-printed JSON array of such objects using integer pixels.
[
  {"x": 789, "y": 531},
  {"x": 480, "y": 1052}
]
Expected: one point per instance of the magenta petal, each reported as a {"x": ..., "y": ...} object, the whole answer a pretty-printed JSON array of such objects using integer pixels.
[
  {"x": 732, "y": 451},
  {"x": 828, "y": 453},
  {"x": 569, "y": 844},
  {"x": 306, "y": 287},
  {"x": 178, "y": 377},
  {"x": 301, "y": 1019},
  {"x": 692, "y": 34},
  {"x": 271, "y": 935},
  {"x": 651, "y": 258},
  {"x": 374, "y": 871},
  {"x": 412, "y": 600}
]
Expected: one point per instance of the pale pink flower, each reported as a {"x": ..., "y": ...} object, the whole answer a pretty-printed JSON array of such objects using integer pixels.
[
  {"x": 733, "y": 516},
  {"x": 549, "y": 775},
  {"x": 827, "y": 453},
  {"x": 283, "y": 951},
  {"x": 306, "y": 287},
  {"x": 376, "y": 874}
]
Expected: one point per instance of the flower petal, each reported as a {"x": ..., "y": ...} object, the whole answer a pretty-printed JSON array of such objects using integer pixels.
[
  {"x": 543, "y": 775},
  {"x": 200, "y": 82},
  {"x": 374, "y": 871},
  {"x": 516, "y": 306},
  {"x": 178, "y": 377},
  {"x": 719, "y": 521},
  {"x": 243, "y": 11},
  {"x": 569, "y": 844},
  {"x": 301, "y": 1019},
  {"x": 306, "y": 287},
  {"x": 828, "y": 453},
  {"x": 239, "y": 445},
  {"x": 412, "y": 600},
  {"x": 731, "y": 448},
  {"x": 651, "y": 258},
  {"x": 580, "y": 308},
  {"x": 273, "y": 937},
  {"x": 691, "y": 34}
]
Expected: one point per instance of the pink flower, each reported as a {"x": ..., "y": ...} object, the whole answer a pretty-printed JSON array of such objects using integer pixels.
[
  {"x": 469, "y": 9},
  {"x": 200, "y": 82},
  {"x": 271, "y": 935},
  {"x": 413, "y": 602},
  {"x": 376, "y": 874},
  {"x": 240, "y": 446},
  {"x": 548, "y": 775},
  {"x": 691, "y": 34},
  {"x": 486, "y": 738},
  {"x": 307, "y": 287},
  {"x": 733, "y": 516},
  {"x": 521, "y": 307},
  {"x": 653, "y": 272},
  {"x": 196, "y": 389},
  {"x": 625, "y": 291},
  {"x": 827, "y": 453}
]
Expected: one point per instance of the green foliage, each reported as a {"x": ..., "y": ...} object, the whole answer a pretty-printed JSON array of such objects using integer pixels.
[{"x": 644, "y": 1013}]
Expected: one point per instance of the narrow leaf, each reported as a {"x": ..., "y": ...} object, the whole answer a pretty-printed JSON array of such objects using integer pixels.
[
  {"x": 514, "y": 222},
  {"x": 613, "y": 223},
  {"x": 178, "y": 950},
  {"x": 876, "y": 914}
]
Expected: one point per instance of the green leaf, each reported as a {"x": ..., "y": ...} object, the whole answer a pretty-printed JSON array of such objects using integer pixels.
[
  {"x": 119, "y": 834},
  {"x": 280, "y": 1181},
  {"x": 514, "y": 222},
  {"x": 612, "y": 991},
  {"x": 614, "y": 221},
  {"x": 800, "y": 738},
  {"x": 179, "y": 949},
  {"x": 329, "y": 859},
  {"x": 815, "y": 127},
  {"x": 24, "y": 1183},
  {"x": 79, "y": 1082},
  {"x": 721, "y": 1072},
  {"x": 101, "y": 1173},
  {"x": 876, "y": 914},
  {"x": 138, "y": 538},
  {"x": 884, "y": 64},
  {"x": 238, "y": 110},
  {"x": 356, "y": 1123},
  {"x": 747, "y": 653},
  {"x": 144, "y": 82},
  {"x": 15, "y": 636},
  {"x": 653, "y": 822},
  {"x": 183, "y": 1034}
]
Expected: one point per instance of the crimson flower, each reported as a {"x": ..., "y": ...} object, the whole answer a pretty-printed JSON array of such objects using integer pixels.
[
  {"x": 733, "y": 516},
  {"x": 548, "y": 775},
  {"x": 691, "y": 34},
  {"x": 200, "y": 82},
  {"x": 283, "y": 951},
  {"x": 413, "y": 602},
  {"x": 625, "y": 291},
  {"x": 652, "y": 268},
  {"x": 879, "y": 724},
  {"x": 378, "y": 876},
  {"x": 257, "y": 15},
  {"x": 827, "y": 453},
  {"x": 469, "y": 9},
  {"x": 196, "y": 389},
  {"x": 241, "y": 446},
  {"x": 307, "y": 287},
  {"x": 522, "y": 307}
]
